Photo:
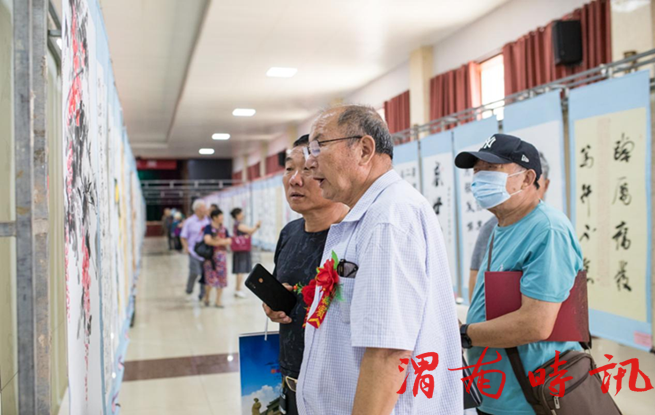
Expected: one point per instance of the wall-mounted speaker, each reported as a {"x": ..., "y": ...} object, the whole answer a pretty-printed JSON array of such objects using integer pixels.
[
  {"x": 281, "y": 158},
  {"x": 567, "y": 42}
]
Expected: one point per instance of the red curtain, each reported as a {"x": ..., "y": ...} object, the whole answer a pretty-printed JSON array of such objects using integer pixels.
[
  {"x": 530, "y": 62},
  {"x": 273, "y": 165},
  {"x": 455, "y": 90},
  {"x": 396, "y": 112},
  {"x": 254, "y": 172},
  {"x": 238, "y": 175}
]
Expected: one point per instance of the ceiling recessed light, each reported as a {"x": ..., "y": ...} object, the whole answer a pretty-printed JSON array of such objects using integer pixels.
[
  {"x": 220, "y": 136},
  {"x": 206, "y": 151},
  {"x": 276, "y": 72},
  {"x": 243, "y": 112}
]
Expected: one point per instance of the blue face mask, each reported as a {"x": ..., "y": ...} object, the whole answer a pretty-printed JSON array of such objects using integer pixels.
[{"x": 490, "y": 188}]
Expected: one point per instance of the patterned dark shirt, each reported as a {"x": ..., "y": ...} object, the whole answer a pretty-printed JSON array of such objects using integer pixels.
[{"x": 297, "y": 256}]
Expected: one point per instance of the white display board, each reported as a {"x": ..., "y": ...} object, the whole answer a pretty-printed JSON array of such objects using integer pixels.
[
  {"x": 469, "y": 137},
  {"x": 539, "y": 122},
  {"x": 406, "y": 163},
  {"x": 438, "y": 179}
]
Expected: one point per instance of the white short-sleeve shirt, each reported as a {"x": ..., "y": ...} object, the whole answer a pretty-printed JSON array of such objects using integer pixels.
[{"x": 401, "y": 298}]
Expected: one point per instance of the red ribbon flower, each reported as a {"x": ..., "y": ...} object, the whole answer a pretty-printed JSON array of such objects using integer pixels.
[
  {"x": 326, "y": 280},
  {"x": 327, "y": 276},
  {"x": 308, "y": 292}
]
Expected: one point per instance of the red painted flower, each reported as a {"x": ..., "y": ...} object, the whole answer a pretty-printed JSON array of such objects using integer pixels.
[{"x": 327, "y": 276}]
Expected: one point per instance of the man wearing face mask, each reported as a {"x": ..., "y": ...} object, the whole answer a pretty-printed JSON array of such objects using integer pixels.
[
  {"x": 485, "y": 232},
  {"x": 533, "y": 238}
]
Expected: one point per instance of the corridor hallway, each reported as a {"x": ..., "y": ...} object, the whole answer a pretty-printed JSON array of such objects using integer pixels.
[{"x": 183, "y": 357}]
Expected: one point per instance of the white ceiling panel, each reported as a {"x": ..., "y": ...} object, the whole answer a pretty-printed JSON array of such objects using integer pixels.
[{"x": 338, "y": 46}]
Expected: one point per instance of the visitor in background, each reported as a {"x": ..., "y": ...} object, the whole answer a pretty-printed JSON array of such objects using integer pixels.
[
  {"x": 487, "y": 229},
  {"x": 298, "y": 254},
  {"x": 241, "y": 261},
  {"x": 166, "y": 223},
  {"x": 215, "y": 269},
  {"x": 176, "y": 230},
  {"x": 213, "y": 207},
  {"x": 192, "y": 233}
]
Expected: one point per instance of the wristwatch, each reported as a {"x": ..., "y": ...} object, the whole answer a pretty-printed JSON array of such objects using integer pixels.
[{"x": 466, "y": 340}]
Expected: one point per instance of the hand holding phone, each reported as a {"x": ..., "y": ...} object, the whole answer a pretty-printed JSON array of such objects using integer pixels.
[
  {"x": 278, "y": 316},
  {"x": 270, "y": 291}
]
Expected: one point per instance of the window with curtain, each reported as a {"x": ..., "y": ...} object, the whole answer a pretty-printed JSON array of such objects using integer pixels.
[
  {"x": 254, "y": 172},
  {"x": 492, "y": 86},
  {"x": 529, "y": 61},
  {"x": 396, "y": 112},
  {"x": 455, "y": 91},
  {"x": 273, "y": 164}
]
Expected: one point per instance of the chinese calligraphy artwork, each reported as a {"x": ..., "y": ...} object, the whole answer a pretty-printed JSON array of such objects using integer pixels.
[
  {"x": 439, "y": 188},
  {"x": 610, "y": 220},
  {"x": 406, "y": 163},
  {"x": 610, "y": 205},
  {"x": 471, "y": 216}
]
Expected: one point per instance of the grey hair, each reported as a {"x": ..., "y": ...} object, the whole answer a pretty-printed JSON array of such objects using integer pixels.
[
  {"x": 365, "y": 120},
  {"x": 197, "y": 203},
  {"x": 545, "y": 167}
]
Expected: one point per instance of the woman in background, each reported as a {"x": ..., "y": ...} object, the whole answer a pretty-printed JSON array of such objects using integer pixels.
[
  {"x": 241, "y": 261},
  {"x": 176, "y": 230},
  {"x": 215, "y": 269}
]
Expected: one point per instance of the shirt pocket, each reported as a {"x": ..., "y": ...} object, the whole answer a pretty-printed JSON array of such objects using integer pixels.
[{"x": 347, "y": 286}]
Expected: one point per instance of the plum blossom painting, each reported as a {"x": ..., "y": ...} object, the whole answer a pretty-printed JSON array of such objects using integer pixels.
[{"x": 81, "y": 211}]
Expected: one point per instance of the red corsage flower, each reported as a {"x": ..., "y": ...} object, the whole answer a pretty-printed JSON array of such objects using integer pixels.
[
  {"x": 327, "y": 276},
  {"x": 308, "y": 292}
]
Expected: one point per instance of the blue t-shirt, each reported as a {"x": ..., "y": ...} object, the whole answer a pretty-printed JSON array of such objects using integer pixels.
[{"x": 543, "y": 245}]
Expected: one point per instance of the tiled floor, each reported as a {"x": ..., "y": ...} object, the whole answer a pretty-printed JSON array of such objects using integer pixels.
[{"x": 170, "y": 326}]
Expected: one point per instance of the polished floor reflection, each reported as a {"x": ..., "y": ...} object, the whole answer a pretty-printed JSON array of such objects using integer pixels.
[{"x": 183, "y": 357}]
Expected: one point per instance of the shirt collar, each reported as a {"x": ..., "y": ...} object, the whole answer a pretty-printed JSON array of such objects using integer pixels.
[{"x": 384, "y": 181}]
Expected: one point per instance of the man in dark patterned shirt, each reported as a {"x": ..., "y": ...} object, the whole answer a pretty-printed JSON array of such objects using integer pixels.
[{"x": 298, "y": 253}]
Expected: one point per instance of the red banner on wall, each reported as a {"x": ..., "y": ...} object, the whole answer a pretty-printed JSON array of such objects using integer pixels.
[{"x": 142, "y": 164}]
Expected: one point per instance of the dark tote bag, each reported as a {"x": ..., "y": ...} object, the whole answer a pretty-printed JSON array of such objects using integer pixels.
[{"x": 203, "y": 250}]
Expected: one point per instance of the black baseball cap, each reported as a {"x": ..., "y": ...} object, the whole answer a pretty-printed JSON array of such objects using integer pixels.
[{"x": 502, "y": 149}]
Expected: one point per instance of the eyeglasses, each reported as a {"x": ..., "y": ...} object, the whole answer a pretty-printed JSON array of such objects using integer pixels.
[{"x": 314, "y": 147}]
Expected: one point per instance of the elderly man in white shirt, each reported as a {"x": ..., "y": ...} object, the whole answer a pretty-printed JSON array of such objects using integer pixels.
[{"x": 395, "y": 305}]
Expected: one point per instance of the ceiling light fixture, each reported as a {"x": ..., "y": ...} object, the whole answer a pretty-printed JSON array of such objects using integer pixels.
[
  {"x": 206, "y": 151},
  {"x": 276, "y": 72},
  {"x": 220, "y": 136},
  {"x": 243, "y": 112}
]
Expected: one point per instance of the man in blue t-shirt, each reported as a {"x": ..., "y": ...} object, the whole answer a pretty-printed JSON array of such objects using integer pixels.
[{"x": 533, "y": 238}]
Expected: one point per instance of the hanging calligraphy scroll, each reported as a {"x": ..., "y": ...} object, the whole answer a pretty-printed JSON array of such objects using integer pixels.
[
  {"x": 539, "y": 122},
  {"x": 438, "y": 179},
  {"x": 471, "y": 216},
  {"x": 405, "y": 162},
  {"x": 610, "y": 203}
]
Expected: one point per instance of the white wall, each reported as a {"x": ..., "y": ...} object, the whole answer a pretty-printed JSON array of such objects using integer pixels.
[
  {"x": 255, "y": 157},
  {"x": 491, "y": 32},
  {"x": 387, "y": 86},
  {"x": 237, "y": 164},
  {"x": 279, "y": 143},
  {"x": 305, "y": 126},
  {"x": 631, "y": 27}
]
